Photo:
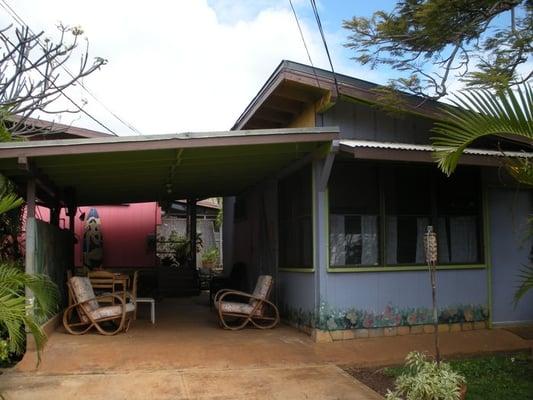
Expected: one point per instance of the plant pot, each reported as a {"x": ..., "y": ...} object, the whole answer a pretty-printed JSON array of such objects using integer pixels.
[{"x": 208, "y": 264}]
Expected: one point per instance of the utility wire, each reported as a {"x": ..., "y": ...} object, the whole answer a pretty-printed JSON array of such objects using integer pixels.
[
  {"x": 317, "y": 17},
  {"x": 305, "y": 44},
  {"x": 19, "y": 19}
]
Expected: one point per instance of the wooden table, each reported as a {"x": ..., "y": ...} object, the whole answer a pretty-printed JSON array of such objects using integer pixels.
[{"x": 122, "y": 279}]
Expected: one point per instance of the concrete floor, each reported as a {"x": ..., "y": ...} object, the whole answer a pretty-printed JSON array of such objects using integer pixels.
[{"x": 187, "y": 356}]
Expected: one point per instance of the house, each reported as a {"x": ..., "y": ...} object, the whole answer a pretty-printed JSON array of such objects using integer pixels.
[
  {"x": 343, "y": 232},
  {"x": 323, "y": 190}
]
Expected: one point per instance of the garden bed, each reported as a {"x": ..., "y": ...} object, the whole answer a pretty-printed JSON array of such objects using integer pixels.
[{"x": 495, "y": 377}]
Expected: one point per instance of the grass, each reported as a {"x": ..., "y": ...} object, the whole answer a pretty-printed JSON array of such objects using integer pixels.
[{"x": 493, "y": 377}]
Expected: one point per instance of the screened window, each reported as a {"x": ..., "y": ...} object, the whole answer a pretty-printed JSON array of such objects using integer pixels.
[
  {"x": 378, "y": 214},
  {"x": 408, "y": 211},
  {"x": 458, "y": 218},
  {"x": 354, "y": 219},
  {"x": 295, "y": 220}
]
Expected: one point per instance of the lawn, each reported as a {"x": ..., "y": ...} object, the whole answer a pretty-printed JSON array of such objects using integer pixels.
[{"x": 493, "y": 377}]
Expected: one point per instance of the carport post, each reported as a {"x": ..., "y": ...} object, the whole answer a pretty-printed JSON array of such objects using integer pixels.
[
  {"x": 71, "y": 212},
  {"x": 191, "y": 230},
  {"x": 30, "y": 235}
]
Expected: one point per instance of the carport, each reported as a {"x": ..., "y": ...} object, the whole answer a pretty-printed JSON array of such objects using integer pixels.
[{"x": 66, "y": 174}]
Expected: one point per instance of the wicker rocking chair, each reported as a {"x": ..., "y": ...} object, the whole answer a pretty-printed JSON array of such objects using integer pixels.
[
  {"x": 258, "y": 310},
  {"x": 85, "y": 312}
]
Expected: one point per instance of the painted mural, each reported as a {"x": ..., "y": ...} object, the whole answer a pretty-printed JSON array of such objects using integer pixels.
[
  {"x": 331, "y": 319},
  {"x": 93, "y": 251}
]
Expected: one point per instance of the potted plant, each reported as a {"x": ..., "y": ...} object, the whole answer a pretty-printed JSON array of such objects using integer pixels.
[
  {"x": 210, "y": 258},
  {"x": 425, "y": 379}
]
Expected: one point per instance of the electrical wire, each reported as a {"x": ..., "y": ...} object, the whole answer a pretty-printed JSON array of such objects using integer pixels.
[
  {"x": 303, "y": 40},
  {"x": 19, "y": 20},
  {"x": 319, "y": 23}
]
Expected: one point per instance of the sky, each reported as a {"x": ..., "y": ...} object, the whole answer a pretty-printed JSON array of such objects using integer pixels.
[{"x": 178, "y": 66}]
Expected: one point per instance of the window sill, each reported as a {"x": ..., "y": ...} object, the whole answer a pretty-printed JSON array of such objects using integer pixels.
[
  {"x": 404, "y": 268},
  {"x": 306, "y": 270}
]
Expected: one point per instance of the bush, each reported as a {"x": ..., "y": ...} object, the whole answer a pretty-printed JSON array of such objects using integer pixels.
[{"x": 425, "y": 379}]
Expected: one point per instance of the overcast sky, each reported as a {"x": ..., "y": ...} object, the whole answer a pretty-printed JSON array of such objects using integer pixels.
[{"x": 191, "y": 65}]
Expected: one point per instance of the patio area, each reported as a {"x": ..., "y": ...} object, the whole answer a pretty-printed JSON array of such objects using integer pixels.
[{"x": 186, "y": 355}]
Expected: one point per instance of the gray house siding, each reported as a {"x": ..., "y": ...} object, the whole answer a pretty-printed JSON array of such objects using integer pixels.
[
  {"x": 333, "y": 300},
  {"x": 511, "y": 246},
  {"x": 389, "y": 298},
  {"x": 360, "y": 121},
  {"x": 410, "y": 289}
]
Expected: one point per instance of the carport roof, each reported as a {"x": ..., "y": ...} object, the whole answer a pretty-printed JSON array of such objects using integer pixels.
[{"x": 115, "y": 170}]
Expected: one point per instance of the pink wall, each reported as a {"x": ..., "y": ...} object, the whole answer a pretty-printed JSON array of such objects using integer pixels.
[{"x": 125, "y": 229}]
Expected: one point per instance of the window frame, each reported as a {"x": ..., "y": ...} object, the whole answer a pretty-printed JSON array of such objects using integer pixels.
[{"x": 481, "y": 231}]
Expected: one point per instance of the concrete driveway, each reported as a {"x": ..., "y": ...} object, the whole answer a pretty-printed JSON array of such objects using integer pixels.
[{"x": 187, "y": 356}]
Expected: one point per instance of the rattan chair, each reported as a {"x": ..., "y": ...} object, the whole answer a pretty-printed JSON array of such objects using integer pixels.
[
  {"x": 86, "y": 313},
  {"x": 256, "y": 309}
]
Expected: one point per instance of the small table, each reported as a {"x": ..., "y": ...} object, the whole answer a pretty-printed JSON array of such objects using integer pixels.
[{"x": 152, "y": 306}]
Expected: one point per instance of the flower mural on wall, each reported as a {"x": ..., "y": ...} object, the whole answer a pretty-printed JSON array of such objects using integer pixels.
[{"x": 331, "y": 319}]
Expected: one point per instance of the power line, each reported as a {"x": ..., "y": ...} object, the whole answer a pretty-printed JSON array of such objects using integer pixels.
[
  {"x": 303, "y": 40},
  {"x": 317, "y": 17},
  {"x": 19, "y": 19}
]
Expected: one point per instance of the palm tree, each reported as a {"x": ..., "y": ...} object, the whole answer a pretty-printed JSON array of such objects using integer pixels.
[
  {"x": 15, "y": 312},
  {"x": 478, "y": 114}
]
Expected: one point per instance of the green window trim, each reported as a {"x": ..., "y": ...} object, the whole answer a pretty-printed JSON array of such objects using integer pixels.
[{"x": 396, "y": 268}]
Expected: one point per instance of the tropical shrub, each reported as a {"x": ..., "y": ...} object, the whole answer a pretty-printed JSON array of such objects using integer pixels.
[
  {"x": 16, "y": 313},
  {"x": 424, "y": 379}
]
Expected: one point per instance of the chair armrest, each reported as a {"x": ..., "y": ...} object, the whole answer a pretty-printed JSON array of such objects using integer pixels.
[{"x": 219, "y": 293}]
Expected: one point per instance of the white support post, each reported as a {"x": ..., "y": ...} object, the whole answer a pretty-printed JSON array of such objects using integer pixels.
[{"x": 30, "y": 235}]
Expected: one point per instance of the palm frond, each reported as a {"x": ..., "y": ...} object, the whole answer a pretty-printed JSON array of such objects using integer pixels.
[
  {"x": 526, "y": 283},
  {"x": 9, "y": 201},
  {"x": 16, "y": 314},
  {"x": 480, "y": 113}
]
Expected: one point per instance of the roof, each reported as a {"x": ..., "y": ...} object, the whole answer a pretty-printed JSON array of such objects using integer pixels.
[
  {"x": 114, "y": 170},
  {"x": 293, "y": 85},
  {"x": 56, "y": 130},
  {"x": 367, "y": 149}
]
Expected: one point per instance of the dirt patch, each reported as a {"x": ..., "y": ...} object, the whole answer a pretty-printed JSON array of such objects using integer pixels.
[
  {"x": 374, "y": 378},
  {"x": 525, "y": 332}
]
